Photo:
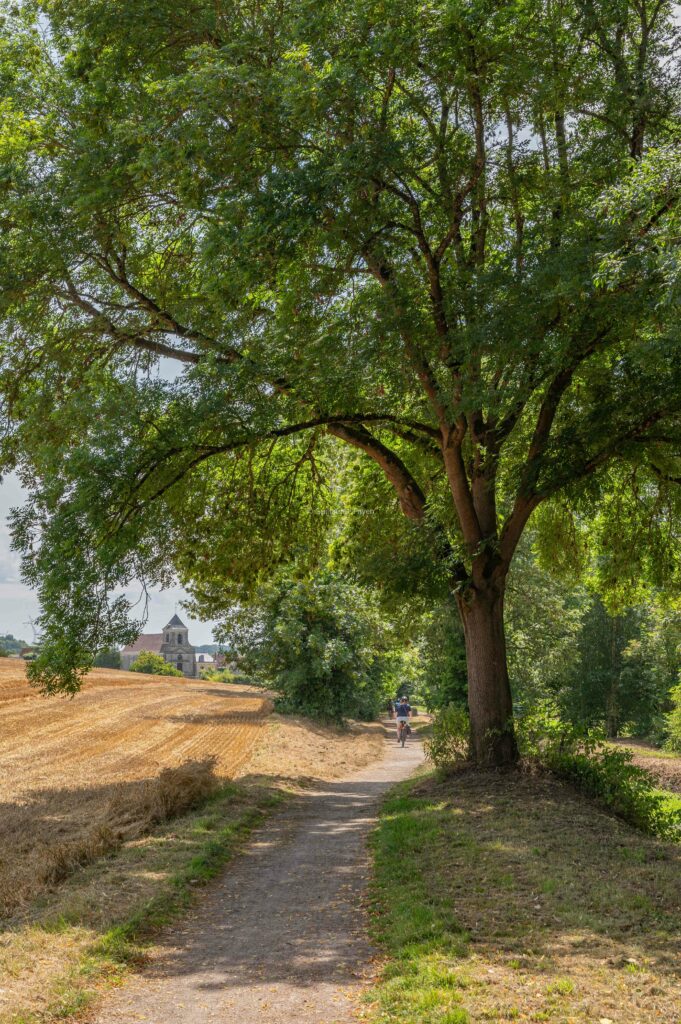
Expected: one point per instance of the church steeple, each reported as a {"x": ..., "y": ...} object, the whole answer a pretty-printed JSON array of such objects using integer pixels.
[{"x": 175, "y": 622}]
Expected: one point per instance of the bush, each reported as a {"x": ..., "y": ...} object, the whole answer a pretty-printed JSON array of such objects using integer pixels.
[
  {"x": 154, "y": 665},
  {"x": 673, "y": 722},
  {"x": 318, "y": 643},
  {"x": 108, "y": 658},
  {"x": 605, "y": 773},
  {"x": 448, "y": 745}
]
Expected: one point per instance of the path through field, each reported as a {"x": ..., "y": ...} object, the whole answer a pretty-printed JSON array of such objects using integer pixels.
[{"x": 281, "y": 937}]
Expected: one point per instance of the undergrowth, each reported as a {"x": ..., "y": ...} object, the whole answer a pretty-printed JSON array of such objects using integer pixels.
[{"x": 602, "y": 772}]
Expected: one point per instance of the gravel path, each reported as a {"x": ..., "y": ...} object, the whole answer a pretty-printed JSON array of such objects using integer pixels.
[{"x": 281, "y": 936}]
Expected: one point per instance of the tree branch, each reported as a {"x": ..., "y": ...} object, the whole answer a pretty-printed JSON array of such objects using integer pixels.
[
  {"x": 411, "y": 497},
  {"x": 123, "y": 337}
]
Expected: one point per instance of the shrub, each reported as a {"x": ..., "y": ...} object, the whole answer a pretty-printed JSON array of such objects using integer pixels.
[
  {"x": 448, "y": 745},
  {"x": 153, "y": 664},
  {"x": 605, "y": 773},
  {"x": 108, "y": 658},
  {"x": 319, "y": 643},
  {"x": 673, "y": 721}
]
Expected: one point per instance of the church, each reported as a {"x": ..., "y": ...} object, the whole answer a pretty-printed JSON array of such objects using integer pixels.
[{"x": 172, "y": 644}]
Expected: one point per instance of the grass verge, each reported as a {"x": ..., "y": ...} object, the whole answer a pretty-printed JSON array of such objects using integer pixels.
[
  {"x": 512, "y": 898},
  {"x": 99, "y": 924}
]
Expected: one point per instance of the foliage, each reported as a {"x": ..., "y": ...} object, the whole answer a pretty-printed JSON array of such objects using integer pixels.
[
  {"x": 448, "y": 744},
  {"x": 222, "y": 675},
  {"x": 110, "y": 658},
  {"x": 674, "y": 721},
  {"x": 607, "y": 666},
  {"x": 320, "y": 643},
  {"x": 4, "y": 653},
  {"x": 622, "y": 667},
  {"x": 437, "y": 236},
  {"x": 153, "y": 664},
  {"x": 600, "y": 771},
  {"x": 608, "y": 684},
  {"x": 544, "y": 618},
  {"x": 442, "y": 657}
]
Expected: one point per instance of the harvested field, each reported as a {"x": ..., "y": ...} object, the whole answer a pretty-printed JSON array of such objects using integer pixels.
[
  {"x": 664, "y": 766},
  {"x": 103, "y": 773},
  {"x": 71, "y": 769}
]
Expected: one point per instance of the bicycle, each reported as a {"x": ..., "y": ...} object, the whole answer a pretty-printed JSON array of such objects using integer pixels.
[{"x": 402, "y": 731}]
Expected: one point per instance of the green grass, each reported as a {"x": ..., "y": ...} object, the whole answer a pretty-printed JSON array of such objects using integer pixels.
[
  {"x": 416, "y": 926},
  {"x": 505, "y": 897},
  {"x": 184, "y": 855},
  {"x": 672, "y": 801}
]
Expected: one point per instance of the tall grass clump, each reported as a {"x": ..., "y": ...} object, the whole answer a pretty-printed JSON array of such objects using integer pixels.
[{"x": 133, "y": 812}]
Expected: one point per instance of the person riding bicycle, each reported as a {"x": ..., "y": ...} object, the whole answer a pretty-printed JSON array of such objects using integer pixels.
[{"x": 402, "y": 715}]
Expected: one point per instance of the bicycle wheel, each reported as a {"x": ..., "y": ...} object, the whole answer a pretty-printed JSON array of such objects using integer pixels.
[{"x": 403, "y": 735}]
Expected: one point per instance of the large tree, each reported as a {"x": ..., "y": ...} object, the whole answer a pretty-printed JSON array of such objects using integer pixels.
[{"x": 440, "y": 234}]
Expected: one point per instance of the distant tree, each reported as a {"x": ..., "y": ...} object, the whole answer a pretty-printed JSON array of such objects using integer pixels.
[
  {"x": 319, "y": 643},
  {"x": 443, "y": 660},
  {"x": 4, "y": 653},
  {"x": 442, "y": 235},
  {"x": 12, "y": 644},
  {"x": 544, "y": 612},
  {"x": 674, "y": 721},
  {"x": 619, "y": 679},
  {"x": 153, "y": 664},
  {"x": 110, "y": 658}
]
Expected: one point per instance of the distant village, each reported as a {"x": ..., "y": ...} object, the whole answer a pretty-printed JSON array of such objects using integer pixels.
[{"x": 172, "y": 644}]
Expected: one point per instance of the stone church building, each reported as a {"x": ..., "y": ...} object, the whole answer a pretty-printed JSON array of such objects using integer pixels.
[{"x": 172, "y": 644}]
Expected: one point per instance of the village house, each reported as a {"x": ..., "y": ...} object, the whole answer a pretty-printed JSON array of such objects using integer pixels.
[{"x": 172, "y": 644}]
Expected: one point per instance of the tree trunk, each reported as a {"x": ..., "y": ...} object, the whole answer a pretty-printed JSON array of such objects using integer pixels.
[
  {"x": 612, "y": 701},
  {"x": 492, "y": 740}
]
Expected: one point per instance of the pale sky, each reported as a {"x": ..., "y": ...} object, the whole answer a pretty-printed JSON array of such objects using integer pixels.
[{"x": 18, "y": 604}]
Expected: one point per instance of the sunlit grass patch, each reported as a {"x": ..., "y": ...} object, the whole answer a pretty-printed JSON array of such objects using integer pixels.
[{"x": 504, "y": 898}]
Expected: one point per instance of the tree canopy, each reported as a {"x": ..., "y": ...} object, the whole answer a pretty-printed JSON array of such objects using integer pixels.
[{"x": 442, "y": 236}]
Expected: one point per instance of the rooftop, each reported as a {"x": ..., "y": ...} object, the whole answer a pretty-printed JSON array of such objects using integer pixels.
[
  {"x": 176, "y": 621},
  {"x": 145, "y": 642}
]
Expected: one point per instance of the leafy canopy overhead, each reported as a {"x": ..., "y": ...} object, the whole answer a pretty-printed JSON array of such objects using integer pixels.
[{"x": 444, "y": 234}]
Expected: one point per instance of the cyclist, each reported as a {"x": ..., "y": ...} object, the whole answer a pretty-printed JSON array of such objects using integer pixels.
[{"x": 402, "y": 715}]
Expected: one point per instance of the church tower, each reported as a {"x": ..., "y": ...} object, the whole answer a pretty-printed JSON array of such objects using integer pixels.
[{"x": 176, "y": 648}]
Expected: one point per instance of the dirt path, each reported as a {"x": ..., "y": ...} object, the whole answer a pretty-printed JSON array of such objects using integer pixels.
[{"x": 281, "y": 937}]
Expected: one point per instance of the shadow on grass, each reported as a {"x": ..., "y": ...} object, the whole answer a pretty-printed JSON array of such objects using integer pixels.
[{"x": 519, "y": 899}]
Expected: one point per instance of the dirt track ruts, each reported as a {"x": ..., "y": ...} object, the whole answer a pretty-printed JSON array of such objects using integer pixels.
[{"x": 281, "y": 937}]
